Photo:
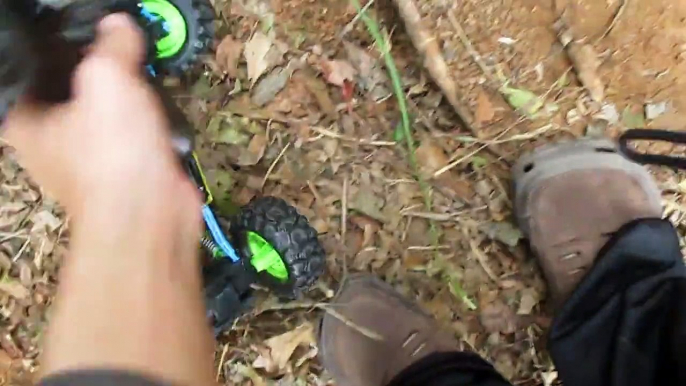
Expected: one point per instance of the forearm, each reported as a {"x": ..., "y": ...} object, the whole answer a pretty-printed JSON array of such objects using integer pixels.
[{"x": 130, "y": 298}]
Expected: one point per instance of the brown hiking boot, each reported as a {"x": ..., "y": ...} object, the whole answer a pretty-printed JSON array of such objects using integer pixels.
[
  {"x": 374, "y": 333},
  {"x": 570, "y": 198}
]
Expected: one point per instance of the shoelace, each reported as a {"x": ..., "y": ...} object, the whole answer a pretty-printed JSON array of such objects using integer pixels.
[{"x": 634, "y": 135}]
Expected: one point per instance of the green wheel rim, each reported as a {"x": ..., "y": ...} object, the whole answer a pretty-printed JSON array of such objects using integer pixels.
[
  {"x": 265, "y": 258},
  {"x": 177, "y": 35}
]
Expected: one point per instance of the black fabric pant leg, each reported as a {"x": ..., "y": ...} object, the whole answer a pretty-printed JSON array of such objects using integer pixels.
[
  {"x": 450, "y": 369},
  {"x": 625, "y": 324}
]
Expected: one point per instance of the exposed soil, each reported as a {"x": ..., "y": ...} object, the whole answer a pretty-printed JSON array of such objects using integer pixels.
[{"x": 316, "y": 126}]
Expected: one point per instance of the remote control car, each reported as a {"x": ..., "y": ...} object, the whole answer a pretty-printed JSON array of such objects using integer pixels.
[{"x": 268, "y": 243}]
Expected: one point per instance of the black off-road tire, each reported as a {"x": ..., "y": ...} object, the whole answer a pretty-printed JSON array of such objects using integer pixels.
[
  {"x": 199, "y": 16},
  {"x": 292, "y": 237}
]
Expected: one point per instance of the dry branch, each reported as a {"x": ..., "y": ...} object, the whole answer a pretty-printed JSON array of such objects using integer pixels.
[
  {"x": 426, "y": 44},
  {"x": 434, "y": 62}
]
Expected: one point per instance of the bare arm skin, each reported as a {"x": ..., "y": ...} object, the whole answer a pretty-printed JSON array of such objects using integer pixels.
[{"x": 130, "y": 290}]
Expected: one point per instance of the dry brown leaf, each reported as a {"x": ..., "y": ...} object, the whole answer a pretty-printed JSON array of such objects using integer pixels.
[
  {"x": 586, "y": 64},
  {"x": 430, "y": 157},
  {"x": 498, "y": 317},
  {"x": 456, "y": 186},
  {"x": 585, "y": 61},
  {"x": 256, "y": 50},
  {"x": 367, "y": 202},
  {"x": 272, "y": 84},
  {"x": 14, "y": 288},
  {"x": 229, "y": 53},
  {"x": 484, "y": 108},
  {"x": 337, "y": 72},
  {"x": 45, "y": 220},
  {"x": 320, "y": 91},
  {"x": 528, "y": 300},
  {"x": 282, "y": 347},
  {"x": 262, "y": 53},
  {"x": 254, "y": 152},
  {"x": 371, "y": 76}
]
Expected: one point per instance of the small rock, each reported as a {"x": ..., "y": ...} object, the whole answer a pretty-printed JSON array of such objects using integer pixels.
[
  {"x": 483, "y": 188},
  {"x": 497, "y": 317},
  {"x": 506, "y": 40},
  {"x": 272, "y": 84},
  {"x": 654, "y": 110},
  {"x": 608, "y": 113},
  {"x": 505, "y": 232},
  {"x": 572, "y": 116},
  {"x": 528, "y": 300},
  {"x": 596, "y": 129}
]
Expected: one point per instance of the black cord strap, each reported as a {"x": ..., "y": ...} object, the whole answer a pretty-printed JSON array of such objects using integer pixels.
[{"x": 652, "y": 135}]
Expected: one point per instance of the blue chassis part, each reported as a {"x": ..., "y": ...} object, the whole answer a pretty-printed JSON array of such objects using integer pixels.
[{"x": 217, "y": 235}]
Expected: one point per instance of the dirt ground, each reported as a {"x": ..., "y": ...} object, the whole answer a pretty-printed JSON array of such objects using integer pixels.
[{"x": 296, "y": 102}]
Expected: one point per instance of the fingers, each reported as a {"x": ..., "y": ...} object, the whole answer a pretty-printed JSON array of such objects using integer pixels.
[{"x": 119, "y": 39}]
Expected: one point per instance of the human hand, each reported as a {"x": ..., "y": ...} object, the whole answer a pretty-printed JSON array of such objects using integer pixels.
[
  {"x": 130, "y": 291},
  {"x": 109, "y": 146}
]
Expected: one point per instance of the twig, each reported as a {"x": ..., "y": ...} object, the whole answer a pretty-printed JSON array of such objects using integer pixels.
[
  {"x": 429, "y": 216},
  {"x": 470, "y": 48},
  {"x": 429, "y": 248},
  {"x": 433, "y": 59},
  {"x": 517, "y": 137},
  {"x": 459, "y": 161},
  {"x": 361, "y": 141},
  {"x": 452, "y": 164},
  {"x": 615, "y": 19},
  {"x": 290, "y": 306},
  {"x": 273, "y": 165},
  {"x": 364, "y": 331},
  {"x": 481, "y": 257},
  {"x": 442, "y": 217},
  {"x": 344, "y": 227},
  {"x": 349, "y": 27},
  {"x": 14, "y": 235},
  {"x": 344, "y": 209},
  {"x": 220, "y": 365},
  {"x": 329, "y": 308},
  {"x": 21, "y": 250},
  {"x": 315, "y": 192},
  {"x": 436, "y": 65}
]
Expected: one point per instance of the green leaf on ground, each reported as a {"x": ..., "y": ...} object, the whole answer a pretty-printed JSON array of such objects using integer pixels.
[
  {"x": 458, "y": 292},
  {"x": 505, "y": 232},
  {"x": 522, "y": 100},
  {"x": 633, "y": 118},
  {"x": 478, "y": 162}
]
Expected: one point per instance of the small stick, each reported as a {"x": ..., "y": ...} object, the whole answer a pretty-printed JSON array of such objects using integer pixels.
[
  {"x": 273, "y": 165},
  {"x": 424, "y": 248},
  {"x": 615, "y": 19},
  {"x": 470, "y": 48},
  {"x": 349, "y": 27},
  {"x": 344, "y": 209},
  {"x": 21, "y": 250},
  {"x": 331, "y": 134},
  {"x": 344, "y": 221},
  {"x": 220, "y": 366},
  {"x": 364, "y": 331},
  {"x": 481, "y": 257},
  {"x": 315, "y": 192}
]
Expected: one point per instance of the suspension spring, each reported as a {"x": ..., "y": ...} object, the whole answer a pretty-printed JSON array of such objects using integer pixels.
[{"x": 210, "y": 246}]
